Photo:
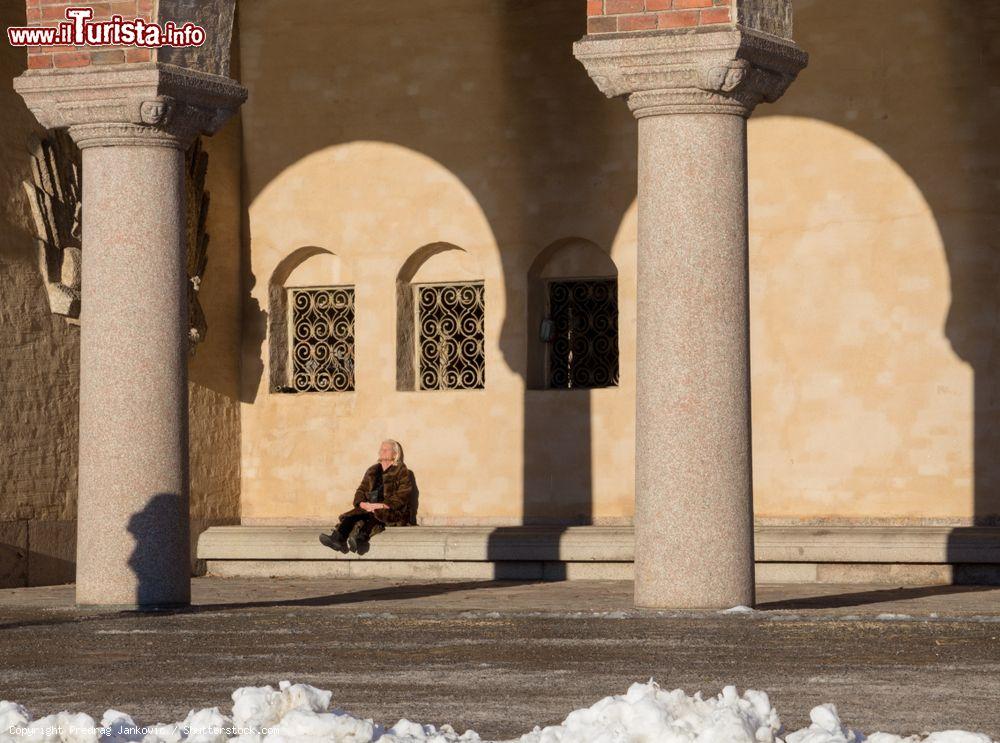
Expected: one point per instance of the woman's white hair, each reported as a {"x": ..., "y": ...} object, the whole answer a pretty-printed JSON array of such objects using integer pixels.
[{"x": 397, "y": 450}]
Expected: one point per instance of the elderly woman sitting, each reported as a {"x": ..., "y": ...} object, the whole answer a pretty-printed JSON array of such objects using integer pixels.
[{"x": 382, "y": 499}]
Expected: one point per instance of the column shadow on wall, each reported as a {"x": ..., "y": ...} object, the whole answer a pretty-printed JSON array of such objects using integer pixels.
[{"x": 871, "y": 93}]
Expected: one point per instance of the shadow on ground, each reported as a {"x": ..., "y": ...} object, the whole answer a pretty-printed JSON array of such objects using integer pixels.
[{"x": 862, "y": 598}]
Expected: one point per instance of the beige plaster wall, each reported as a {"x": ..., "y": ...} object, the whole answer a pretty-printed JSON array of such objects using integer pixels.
[
  {"x": 303, "y": 453},
  {"x": 471, "y": 126},
  {"x": 873, "y": 223},
  {"x": 860, "y": 404}
]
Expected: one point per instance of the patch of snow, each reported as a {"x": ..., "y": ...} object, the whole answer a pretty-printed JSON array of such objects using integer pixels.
[
  {"x": 300, "y": 713},
  {"x": 648, "y": 713},
  {"x": 825, "y": 727}
]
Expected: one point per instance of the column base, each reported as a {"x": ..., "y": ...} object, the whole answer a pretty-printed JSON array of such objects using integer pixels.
[{"x": 144, "y": 608}]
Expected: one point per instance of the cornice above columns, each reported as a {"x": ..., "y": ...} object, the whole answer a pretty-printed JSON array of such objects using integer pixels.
[
  {"x": 728, "y": 71},
  {"x": 154, "y": 104}
]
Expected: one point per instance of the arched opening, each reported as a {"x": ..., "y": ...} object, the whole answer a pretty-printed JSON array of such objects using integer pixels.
[
  {"x": 311, "y": 323},
  {"x": 440, "y": 320},
  {"x": 572, "y": 317}
]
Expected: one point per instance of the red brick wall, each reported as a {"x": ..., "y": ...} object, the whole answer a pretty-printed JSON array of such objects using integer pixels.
[
  {"x": 53, "y": 12},
  {"x": 619, "y": 16}
]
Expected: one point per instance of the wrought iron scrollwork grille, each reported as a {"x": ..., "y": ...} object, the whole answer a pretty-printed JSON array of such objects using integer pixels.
[
  {"x": 451, "y": 336},
  {"x": 584, "y": 349},
  {"x": 322, "y": 321}
]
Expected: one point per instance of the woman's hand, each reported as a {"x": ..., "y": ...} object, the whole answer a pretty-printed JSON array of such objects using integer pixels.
[{"x": 372, "y": 506}]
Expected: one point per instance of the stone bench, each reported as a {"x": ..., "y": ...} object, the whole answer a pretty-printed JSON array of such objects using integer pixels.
[{"x": 786, "y": 554}]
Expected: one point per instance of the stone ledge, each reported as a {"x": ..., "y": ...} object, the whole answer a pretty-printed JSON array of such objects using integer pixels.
[
  {"x": 423, "y": 570},
  {"x": 941, "y": 545},
  {"x": 446, "y": 543},
  {"x": 878, "y": 544},
  {"x": 885, "y": 574}
]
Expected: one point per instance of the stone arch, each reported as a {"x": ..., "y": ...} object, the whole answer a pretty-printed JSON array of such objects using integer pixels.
[
  {"x": 309, "y": 265},
  {"x": 568, "y": 258}
]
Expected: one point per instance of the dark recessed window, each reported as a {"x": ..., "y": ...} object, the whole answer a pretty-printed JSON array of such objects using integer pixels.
[{"x": 583, "y": 351}]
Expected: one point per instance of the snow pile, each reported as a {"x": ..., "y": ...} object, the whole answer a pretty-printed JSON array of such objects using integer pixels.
[
  {"x": 648, "y": 713},
  {"x": 300, "y": 713},
  {"x": 292, "y": 713},
  {"x": 826, "y": 727}
]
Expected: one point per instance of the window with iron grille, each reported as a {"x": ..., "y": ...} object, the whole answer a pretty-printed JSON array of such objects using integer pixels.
[
  {"x": 451, "y": 337},
  {"x": 583, "y": 352},
  {"x": 322, "y": 338}
]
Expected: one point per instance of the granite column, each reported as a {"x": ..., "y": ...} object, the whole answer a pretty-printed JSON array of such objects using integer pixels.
[
  {"x": 692, "y": 93},
  {"x": 133, "y": 126}
]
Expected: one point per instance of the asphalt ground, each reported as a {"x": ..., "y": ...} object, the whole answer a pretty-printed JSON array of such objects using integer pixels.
[{"x": 501, "y": 657}]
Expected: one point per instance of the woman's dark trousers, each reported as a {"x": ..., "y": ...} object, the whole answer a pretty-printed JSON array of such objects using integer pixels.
[{"x": 364, "y": 530}]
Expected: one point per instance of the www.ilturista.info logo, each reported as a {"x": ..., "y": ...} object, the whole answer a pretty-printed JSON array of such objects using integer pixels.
[{"x": 80, "y": 30}]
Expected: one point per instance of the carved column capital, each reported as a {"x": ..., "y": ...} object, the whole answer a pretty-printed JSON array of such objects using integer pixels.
[
  {"x": 156, "y": 104},
  {"x": 727, "y": 71}
]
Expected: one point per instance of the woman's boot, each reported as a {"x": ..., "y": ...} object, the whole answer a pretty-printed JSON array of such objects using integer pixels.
[
  {"x": 334, "y": 540},
  {"x": 357, "y": 540}
]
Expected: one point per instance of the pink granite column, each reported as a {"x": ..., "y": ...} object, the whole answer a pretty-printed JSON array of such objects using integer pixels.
[
  {"x": 133, "y": 126},
  {"x": 132, "y": 513},
  {"x": 691, "y": 93},
  {"x": 693, "y": 509}
]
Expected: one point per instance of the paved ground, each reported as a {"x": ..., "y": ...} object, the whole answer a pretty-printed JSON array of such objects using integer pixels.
[{"x": 500, "y": 657}]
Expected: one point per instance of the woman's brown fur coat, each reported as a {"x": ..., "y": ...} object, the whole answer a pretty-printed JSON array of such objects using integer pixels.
[{"x": 397, "y": 490}]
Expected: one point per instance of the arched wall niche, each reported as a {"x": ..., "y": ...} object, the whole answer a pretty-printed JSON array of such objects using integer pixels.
[
  {"x": 569, "y": 258},
  {"x": 433, "y": 263},
  {"x": 320, "y": 269},
  {"x": 306, "y": 266}
]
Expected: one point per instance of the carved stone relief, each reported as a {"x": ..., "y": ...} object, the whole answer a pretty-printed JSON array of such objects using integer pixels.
[{"x": 55, "y": 196}]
